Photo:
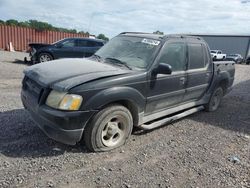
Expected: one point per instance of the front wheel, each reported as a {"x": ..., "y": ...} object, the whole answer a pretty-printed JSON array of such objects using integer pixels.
[
  {"x": 44, "y": 57},
  {"x": 215, "y": 100},
  {"x": 108, "y": 129}
]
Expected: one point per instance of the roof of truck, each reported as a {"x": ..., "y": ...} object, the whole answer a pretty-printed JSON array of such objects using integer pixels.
[{"x": 159, "y": 36}]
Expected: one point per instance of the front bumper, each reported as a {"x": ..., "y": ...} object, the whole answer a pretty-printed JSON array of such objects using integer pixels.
[{"x": 63, "y": 126}]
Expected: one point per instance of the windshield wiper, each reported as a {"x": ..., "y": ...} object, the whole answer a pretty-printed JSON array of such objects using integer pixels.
[
  {"x": 110, "y": 59},
  {"x": 97, "y": 57}
]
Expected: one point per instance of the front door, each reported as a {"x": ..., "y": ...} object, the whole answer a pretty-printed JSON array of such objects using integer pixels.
[
  {"x": 66, "y": 50},
  {"x": 165, "y": 91}
]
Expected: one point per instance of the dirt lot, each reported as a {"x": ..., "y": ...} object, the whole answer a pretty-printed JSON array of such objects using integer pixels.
[{"x": 202, "y": 150}]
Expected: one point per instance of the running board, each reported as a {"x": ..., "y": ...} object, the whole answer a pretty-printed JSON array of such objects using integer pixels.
[{"x": 170, "y": 119}]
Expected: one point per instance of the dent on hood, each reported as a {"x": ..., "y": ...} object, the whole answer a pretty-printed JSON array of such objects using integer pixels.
[
  {"x": 68, "y": 84},
  {"x": 64, "y": 74}
]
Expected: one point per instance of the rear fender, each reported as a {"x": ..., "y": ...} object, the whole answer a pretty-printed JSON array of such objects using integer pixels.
[{"x": 221, "y": 77}]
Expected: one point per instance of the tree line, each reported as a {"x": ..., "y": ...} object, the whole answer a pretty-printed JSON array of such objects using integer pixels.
[
  {"x": 38, "y": 25},
  {"x": 41, "y": 26}
]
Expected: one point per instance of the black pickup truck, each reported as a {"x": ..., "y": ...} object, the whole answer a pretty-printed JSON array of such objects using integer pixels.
[{"x": 135, "y": 80}]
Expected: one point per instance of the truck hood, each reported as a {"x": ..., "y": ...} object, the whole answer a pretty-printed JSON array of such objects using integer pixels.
[{"x": 65, "y": 74}]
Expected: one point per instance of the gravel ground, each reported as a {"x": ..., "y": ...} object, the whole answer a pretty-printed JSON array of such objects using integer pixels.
[{"x": 201, "y": 150}]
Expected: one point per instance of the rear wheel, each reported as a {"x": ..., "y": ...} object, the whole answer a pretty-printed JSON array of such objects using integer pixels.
[
  {"x": 108, "y": 129},
  {"x": 44, "y": 57},
  {"x": 215, "y": 100}
]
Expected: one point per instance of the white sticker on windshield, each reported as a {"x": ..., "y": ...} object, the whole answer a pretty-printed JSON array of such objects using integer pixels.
[{"x": 151, "y": 42}]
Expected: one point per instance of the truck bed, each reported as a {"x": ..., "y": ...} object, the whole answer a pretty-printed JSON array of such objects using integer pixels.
[{"x": 225, "y": 68}]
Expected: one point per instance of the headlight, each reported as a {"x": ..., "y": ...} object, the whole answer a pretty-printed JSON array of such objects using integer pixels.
[{"x": 64, "y": 101}]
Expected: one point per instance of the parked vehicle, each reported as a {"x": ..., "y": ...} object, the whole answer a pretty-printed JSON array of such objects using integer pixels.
[
  {"x": 135, "y": 80},
  {"x": 248, "y": 60},
  {"x": 66, "y": 48},
  {"x": 218, "y": 55},
  {"x": 237, "y": 58}
]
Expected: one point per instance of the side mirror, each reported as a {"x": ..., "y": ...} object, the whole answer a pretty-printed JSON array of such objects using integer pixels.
[{"x": 163, "y": 69}]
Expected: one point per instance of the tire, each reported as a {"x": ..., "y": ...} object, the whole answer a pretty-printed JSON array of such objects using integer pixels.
[
  {"x": 108, "y": 129},
  {"x": 215, "y": 100},
  {"x": 44, "y": 57}
]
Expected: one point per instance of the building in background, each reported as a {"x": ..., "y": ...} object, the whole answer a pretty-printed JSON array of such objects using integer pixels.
[{"x": 229, "y": 44}]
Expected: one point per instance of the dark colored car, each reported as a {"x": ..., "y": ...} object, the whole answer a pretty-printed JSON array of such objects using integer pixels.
[
  {"x": 237, "y": 58},
  {"x": 248, "y": 61},
  {"x": 66, "y": 48},
  {"x": 135, "y": 80}
]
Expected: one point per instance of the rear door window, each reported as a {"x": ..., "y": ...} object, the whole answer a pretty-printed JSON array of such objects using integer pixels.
[
  {"x": 91, "y": 44},
  {"x": 82, "y": 43},
  {"x": 196, "y": 56},
  {"x": 205, "y": 51}
]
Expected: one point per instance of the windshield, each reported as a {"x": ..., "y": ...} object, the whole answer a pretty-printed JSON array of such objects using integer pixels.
[
  {"x": 134, "y": 51},
  {"x": 59, "y": 41}
]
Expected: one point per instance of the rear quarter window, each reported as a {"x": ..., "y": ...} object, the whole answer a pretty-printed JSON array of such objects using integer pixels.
[
  {"x": 196, "y": 56},
  {"x": 99, "y": 44},
  {"x": 92, "y": 44}
]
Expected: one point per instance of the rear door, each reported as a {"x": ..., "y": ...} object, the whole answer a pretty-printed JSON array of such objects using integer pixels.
[
  {"x": 81, "y": 47},
  {"x": 93, "y": 46},
  {"x": 199, "y": 73},
  {"x": 165, "y": 91},
  {"x": 86, "y": 48}
]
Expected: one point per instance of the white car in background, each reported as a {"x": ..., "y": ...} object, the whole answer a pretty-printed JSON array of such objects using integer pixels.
[
  {"x": 218, "y": 55},
  {"x": 237, "y": 58}
]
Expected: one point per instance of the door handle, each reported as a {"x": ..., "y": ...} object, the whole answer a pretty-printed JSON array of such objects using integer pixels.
[{"x": 183, "y": 80}]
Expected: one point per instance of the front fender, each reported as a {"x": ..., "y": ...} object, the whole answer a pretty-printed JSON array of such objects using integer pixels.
[{"x": 114, "y": 94}]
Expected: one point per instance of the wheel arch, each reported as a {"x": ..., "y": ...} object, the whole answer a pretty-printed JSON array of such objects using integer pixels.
[
  {"x": 222, "y": 79},
  {"x": 132, "y": 107},
  {"x": 223, "y": 84},
  {"x": 125, "y": 96},
  {"x": 45, "y": 52}
]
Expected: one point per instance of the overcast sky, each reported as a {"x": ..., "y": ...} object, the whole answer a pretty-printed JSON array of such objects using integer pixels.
[{"x": 112, "y": 17}]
